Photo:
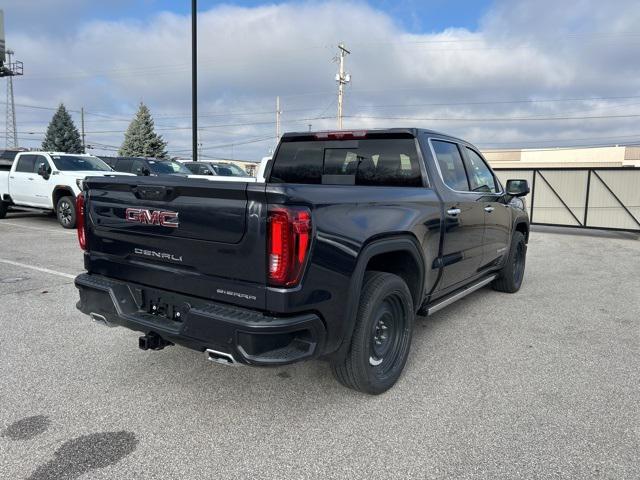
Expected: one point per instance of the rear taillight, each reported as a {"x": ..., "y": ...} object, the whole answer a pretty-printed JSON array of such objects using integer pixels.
[
  {"x": 82, "y": 235},
  {"x": 289, "y": 230}
]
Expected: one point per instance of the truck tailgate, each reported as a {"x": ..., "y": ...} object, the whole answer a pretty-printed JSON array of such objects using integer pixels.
[{"x": 192, "y": 236}]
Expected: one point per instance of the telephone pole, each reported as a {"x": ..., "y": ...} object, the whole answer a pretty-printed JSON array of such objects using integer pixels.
[
  {"x": 342, "y": 78},
  {"x": 12, "y": 131},
  {"x": 84, "y": 146},
  {"x": 194, "y": 80},
  {"x": 278, "y": 113}
]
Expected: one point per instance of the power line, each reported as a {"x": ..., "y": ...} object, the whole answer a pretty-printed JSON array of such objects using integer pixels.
[{"x": 495, "y": 119}]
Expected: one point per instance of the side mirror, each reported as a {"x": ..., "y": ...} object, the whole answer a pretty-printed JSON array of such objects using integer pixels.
[
  {"x": 145, "y": 171},
  {"x": 43, "y": 171},
  {"x": 518, "y": 188}
]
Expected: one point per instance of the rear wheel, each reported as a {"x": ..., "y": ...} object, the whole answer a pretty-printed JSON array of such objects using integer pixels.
[
  {"x": 4, "y": 206},
  {"x": 382, "y": 336},
  {"x": 510, "y": 277},
  {"x": 66, "y": 212}
]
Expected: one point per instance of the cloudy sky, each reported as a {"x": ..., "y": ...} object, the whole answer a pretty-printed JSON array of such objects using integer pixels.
[{"x": 502, "y": 73}]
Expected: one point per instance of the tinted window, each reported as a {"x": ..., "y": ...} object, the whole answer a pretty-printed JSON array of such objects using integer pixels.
[
  {"x": 40, "y": 160},
  {"x": 26, "y": 163},
  {"x": 381, "y": 162},
  {"x": 228, "y": 170},
  {"x": 139, "y": 167},
  {"x": 198, "y": 168},
  {"x": 298, "y": 162},
  {"x": 451, "y": 165},
  {"x": 480, "y": 177},
  {"x": 78, "y": 163},
  {"x": 124, "y": 165},
  {"x": 167, "y": 167}
]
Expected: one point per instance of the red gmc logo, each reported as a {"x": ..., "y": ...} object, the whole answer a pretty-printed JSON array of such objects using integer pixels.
[{"x": 152, "y": 217}]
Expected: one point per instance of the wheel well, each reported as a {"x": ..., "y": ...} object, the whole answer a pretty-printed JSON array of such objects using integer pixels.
[
  {"x": 403, "y": 264},
  {"x": 58, "y": 193},
  {"x": 522, "y": 227}
]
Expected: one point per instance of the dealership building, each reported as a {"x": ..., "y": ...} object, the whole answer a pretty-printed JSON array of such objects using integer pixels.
[{"x": 617, "y": 156}]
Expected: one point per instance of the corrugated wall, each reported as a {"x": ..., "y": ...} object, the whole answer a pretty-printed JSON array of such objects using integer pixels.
[{"x": 593, "y": 198}]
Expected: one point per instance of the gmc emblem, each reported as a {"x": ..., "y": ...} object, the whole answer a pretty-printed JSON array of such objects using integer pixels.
[{"x": 146, "y": 216}]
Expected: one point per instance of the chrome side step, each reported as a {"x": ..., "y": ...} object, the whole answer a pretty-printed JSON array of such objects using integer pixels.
[{"x": 440, "y": 304}]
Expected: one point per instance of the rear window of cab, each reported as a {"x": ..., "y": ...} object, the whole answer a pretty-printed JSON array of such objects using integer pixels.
[{"x": 369, "y": 161}]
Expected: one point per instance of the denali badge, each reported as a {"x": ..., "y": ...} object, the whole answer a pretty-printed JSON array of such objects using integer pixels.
[
  {"x": 163, "y": 256},
  {"x": 152, "y": 217},
  {"x": 236, "y": 294}
]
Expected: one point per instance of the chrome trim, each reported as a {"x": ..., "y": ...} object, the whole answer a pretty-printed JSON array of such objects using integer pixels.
[
  {"x": 435, "y": 158},
  {"x": 454, "y": 212},
  {"x": 101, "y": 319},
  {"x": 449, "y": 300},
  {"x": 489, "y": 209},
  {"x": 219, "y": 357}
]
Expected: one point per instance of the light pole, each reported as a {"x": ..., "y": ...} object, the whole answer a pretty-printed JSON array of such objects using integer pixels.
[{"x": 194, "y": 80}]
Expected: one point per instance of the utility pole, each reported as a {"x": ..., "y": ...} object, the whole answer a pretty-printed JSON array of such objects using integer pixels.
[
  {"x": 342, "y": 78},
  {"x": 12, "y": 131},
  {"x": 84, "y": 145},
  {"x": 194, "y": 80},
  {"x": 278, "y": 113}
]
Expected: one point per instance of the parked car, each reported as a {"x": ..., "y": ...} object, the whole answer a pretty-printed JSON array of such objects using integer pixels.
[
  {"x": 146, "y": 166},
  {"x": 48, "y": 181},
  {"x": 219, "y": 171},
  {"x": 262, "y": 169},
  {"x": 353, "y": 234}
]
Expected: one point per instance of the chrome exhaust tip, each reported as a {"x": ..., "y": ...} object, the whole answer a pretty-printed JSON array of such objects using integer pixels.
[
  {"x": 221, "y": 358},
  {"x": 101, "y": 319}
]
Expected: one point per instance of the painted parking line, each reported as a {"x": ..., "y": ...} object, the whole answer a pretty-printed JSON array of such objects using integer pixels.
[
  {"x": 20, "y": 225},
  {"x": 39, "y": 269}
]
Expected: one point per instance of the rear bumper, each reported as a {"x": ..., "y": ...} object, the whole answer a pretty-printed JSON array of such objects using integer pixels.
[{"x": 251, "y": 337}]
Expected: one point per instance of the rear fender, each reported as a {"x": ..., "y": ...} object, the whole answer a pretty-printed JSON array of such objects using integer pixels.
[{"x": 396, "y": 243}]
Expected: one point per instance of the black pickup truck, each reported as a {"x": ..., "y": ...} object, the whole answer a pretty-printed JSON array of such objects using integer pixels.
[{"x": 351, "y": 236}]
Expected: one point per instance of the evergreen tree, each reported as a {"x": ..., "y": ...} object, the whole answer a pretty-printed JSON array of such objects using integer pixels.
[
  {"x": 62, "y": 135},
  {"x": 140, "y": 139}
]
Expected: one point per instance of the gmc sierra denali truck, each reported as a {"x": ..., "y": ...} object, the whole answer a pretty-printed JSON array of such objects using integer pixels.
[
  {"x": 351, "y": 236},
  {"x": 48, "y": 181}
]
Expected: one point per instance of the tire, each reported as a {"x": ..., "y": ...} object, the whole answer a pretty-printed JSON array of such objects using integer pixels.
[
  {"x": 66, "y": 212},
  {"x": 510, "y": 277},
  {"x": 382, "y": 336},
  {"x": 4, "y": 206}
]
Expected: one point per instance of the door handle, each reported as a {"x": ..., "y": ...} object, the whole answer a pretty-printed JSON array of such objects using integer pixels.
[
  {"x": 30, "y": 178},
  {"x": 11, "y": 176},
  {"x": 489, "y": 209},
  {"x": 454, "y": 212}
]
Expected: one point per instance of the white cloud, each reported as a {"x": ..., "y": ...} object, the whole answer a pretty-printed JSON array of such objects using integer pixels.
[{"x": 522, "y": 50}]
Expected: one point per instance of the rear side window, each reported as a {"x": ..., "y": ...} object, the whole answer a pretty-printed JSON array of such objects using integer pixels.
[
  {"x": 451, "y": 165},
  {"x": 376, "y": 162},
  {"x": 480, "y": 177},
  {"x": 26, "y": 163},
  {"x": 198, "y": 168},
  {"x": 139, "y": 167},
  {"x": 123, "y": 165}
]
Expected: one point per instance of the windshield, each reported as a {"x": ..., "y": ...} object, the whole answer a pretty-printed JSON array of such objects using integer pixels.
[
  {"x": 78, "y": 163},
  {"x": 168, "y": 167},
  {"x": 228, "y": 170}
]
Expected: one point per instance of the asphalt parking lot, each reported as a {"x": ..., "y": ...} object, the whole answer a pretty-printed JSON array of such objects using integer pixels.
[{"x": 540, "y": 384}]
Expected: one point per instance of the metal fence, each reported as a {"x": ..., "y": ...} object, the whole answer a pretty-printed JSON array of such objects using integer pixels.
[{"x": 604, "y": 198}]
